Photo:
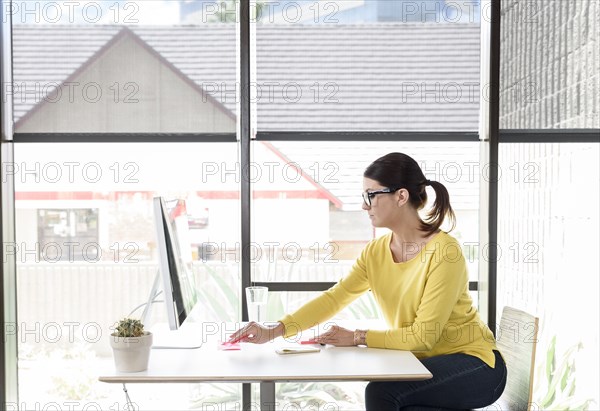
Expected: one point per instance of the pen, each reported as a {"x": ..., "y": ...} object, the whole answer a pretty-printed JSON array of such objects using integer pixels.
[
  {"x": 240, "y": 338},
  {"x": 237, "y": 340},
  {"x": 311, "y": 342}
]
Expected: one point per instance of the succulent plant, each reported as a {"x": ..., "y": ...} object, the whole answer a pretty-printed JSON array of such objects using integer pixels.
[{"x": 129, "y": 327}]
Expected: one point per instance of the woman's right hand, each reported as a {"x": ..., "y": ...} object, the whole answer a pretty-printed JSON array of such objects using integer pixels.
[{"x": 257, "y": 333}]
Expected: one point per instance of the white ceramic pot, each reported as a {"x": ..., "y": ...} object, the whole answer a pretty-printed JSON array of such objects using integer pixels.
[{"x": 131, "y": 354}]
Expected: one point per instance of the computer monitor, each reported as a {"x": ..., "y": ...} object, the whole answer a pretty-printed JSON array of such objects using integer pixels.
[{"x": 175, "y": 259}]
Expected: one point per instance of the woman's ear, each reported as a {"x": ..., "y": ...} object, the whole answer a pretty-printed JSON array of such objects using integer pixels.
[{"x": 402, "y": 196}]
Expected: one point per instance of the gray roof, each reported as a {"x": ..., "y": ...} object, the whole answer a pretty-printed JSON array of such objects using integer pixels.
[
  {"x": 383, "y": 77},
  {"x": 371, "y": 71},
  {"x": 43, "y": 55}
]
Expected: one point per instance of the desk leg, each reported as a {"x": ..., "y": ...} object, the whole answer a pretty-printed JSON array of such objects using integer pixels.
[
  {"x": 267, "y": 396},
  {"x": 128, "y": 404}
]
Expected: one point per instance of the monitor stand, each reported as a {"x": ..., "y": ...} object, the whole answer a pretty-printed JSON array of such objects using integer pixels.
[{"x": 188, "y": 336}]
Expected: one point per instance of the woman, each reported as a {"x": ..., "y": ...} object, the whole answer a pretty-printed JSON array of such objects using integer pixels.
[{"x": 418, "y": 276}]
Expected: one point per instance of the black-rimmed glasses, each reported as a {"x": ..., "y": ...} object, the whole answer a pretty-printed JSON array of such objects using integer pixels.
[{"x": 368, "y": 195}]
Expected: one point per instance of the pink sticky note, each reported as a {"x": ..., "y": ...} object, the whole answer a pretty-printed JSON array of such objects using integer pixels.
[{"x": 227, "y": 346}]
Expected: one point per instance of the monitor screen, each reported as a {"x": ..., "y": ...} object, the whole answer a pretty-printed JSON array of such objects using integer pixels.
[{"x": 175, "y": 259}]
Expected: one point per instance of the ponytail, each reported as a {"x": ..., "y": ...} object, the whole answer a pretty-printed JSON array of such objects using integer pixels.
[{"x": 440, "y": 210}]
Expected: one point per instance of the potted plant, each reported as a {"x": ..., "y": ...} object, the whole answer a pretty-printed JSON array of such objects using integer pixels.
[{"x": 131, "y": 345}]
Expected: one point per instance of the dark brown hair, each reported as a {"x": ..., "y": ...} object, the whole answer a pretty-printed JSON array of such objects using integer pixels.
[{"x": 397, "y": 170}]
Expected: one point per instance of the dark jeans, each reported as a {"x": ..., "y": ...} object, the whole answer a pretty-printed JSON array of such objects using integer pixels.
[{"x": 459, "y": 382}]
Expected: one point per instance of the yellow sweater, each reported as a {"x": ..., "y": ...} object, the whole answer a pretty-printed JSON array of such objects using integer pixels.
[{"x": 425, "y": 301}]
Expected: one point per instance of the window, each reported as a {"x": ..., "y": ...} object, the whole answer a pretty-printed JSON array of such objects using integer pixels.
[
  {"x": 548, "y": 186},
  {"x": 332, "y": 78},
  {"x": 66, "y": 230},
  {"x": 549, "y": 75},
  {"x": 86, "y": 257},
  {"x": 132, "y": 76},
  {"x": 121, "y": 101},
  {"x": 548, "y": 219},
  {"x": 128, "y": 72}
]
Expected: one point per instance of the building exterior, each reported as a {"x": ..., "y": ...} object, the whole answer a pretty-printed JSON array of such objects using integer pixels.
[{"x": 550, "y": 83}]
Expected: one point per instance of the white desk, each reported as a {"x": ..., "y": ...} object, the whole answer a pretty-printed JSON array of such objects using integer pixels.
[{"x": 261, "y": 364}]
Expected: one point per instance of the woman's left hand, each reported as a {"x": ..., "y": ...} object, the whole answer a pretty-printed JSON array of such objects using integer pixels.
[{"x": 338, "y": 336}]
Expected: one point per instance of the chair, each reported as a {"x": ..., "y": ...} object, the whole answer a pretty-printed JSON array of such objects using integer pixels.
[{"x": 517, "y": 340}]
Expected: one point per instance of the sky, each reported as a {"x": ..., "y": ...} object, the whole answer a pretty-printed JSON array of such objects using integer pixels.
[
  {"x": 159, "y": 12},
  {"x": 146, "y": 12}
]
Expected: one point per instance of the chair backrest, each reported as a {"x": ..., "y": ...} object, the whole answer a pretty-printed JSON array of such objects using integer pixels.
[{"x": 517, "y": 340}]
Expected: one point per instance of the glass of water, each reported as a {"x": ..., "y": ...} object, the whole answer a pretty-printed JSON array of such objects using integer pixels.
[{"x": 256, "y": 299}]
